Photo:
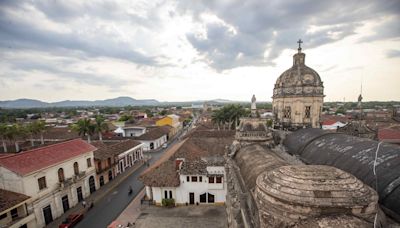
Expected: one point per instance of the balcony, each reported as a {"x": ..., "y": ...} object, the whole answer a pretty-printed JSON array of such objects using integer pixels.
[
  {"x": 67, "y": 182},
  {"x": 79, "y": 176}
]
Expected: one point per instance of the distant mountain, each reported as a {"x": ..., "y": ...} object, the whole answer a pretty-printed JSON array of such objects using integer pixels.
[{"x": 115, "y": 102}]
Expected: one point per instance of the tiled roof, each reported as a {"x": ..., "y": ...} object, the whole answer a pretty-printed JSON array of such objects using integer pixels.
[
  {"x": 388, "y": 134},
  {"x": 10, "y": 199},
  {"x": 154, "y": 134},
  {"x": 32, "y": 160},
  {"x": 104, "y": 152},
  {"x": 329, "y": 122},
  {"x": 199, "y": 150},
  {"x": 164, "y": 175}
]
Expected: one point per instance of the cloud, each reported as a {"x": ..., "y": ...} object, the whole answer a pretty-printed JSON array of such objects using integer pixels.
[
  {"x": 393, "y": 53},
  {"x": 272, "y": 26}
]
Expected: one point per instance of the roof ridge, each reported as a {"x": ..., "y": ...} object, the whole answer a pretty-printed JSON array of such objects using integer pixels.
[{"x": 44, "y": 147}]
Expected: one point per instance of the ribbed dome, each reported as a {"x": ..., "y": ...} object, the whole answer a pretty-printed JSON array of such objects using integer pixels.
[
  {"x": 299, "y": 80},
  {"x": 292, "y": 193}
]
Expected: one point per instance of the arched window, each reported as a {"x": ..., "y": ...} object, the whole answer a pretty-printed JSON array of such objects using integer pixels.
[
  {"x": 61, "y": 175},
  {"x": 76, "y": 168}
]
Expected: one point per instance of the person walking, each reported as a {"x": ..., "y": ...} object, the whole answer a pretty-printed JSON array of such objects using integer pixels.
[{"x": 84, "y": 204}]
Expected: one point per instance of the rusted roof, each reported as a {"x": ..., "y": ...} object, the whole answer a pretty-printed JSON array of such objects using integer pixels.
[
  {"x": 32, "y": 160},
  {"x": 10, "y": 199},
  {"x": 104, "y": 152}
]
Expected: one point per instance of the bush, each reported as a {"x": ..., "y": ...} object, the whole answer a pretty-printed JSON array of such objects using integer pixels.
[{"x": 168, "y": 202}]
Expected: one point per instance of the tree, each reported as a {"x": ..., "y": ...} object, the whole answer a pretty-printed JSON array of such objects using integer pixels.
[
  {"x": 100, "y": 126},
  {"x": 32, "y": 129},
  {"x": 41, "y": 128},
  {"x": 3, "y": 134},
  {"x": 13, "y": 132},
  {"x": 84, "y": 128}
]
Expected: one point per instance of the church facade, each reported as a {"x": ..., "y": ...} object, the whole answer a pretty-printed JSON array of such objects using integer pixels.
[{"x": 298, "y": 96}]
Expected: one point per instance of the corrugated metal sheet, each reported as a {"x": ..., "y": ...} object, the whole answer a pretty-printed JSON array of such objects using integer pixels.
[{"x": 354, "y": 155}]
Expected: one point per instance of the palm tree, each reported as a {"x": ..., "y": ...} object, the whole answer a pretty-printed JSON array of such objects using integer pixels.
[
  {"x": 84, "y": 128},
  {"x": 41, "y": 128},
  {"x": 32, "y": 129},
  {"x": 13, "y": 132},
  {"x": 3, "y": 134},
  {"x": 100, "y": 126}
]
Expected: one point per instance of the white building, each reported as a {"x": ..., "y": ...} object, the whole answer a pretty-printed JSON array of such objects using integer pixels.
[
  {"x": 192, "y": 182},
  {"x": 13, "y": 212},
  {"x": 332, "y": 125},
  {"x": 130, "y": 131},
  {"x": 56, "y": 177},
  {"x": 154, "y": 138}
]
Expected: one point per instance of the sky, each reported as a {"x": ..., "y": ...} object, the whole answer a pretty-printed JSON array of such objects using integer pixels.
[{"x": 195, "y": 50}]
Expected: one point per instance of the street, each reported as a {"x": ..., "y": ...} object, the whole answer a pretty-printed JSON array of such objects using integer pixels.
[{"x": 108, "y": 208}]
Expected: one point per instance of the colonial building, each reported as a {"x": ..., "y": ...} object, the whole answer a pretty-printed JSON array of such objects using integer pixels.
[
  {"x": 55, "y": 177},
  {"x": 13, "y": 210},
  {"x": 155, "y": 138},
  {"x": 171, "y": 120},
  {"x": 194, "y": 174},
  {"x": 298, "y": 96},
  {"x": 115, "y": 159}
]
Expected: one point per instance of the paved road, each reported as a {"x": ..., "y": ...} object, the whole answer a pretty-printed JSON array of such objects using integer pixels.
[{"x": 107, "y": 209}]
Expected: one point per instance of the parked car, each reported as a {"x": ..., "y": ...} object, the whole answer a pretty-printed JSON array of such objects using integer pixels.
[
  {"x": 71, "y": 221},
  {"x": 165, "y": 145}
]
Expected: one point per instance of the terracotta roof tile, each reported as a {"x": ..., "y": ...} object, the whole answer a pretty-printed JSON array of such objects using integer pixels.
[
  {"x": 104, "y": 152},
  {"x": 388, "y": 134},
  {"x": 32, "y": 160},
  {"x": 165, "y": 175},
  {"x": 154, "y": 134},
  {"x": 10, "y": 199}
]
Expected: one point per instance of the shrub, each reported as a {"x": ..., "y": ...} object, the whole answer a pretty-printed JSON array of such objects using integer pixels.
[{"x": 168, "y": 202}]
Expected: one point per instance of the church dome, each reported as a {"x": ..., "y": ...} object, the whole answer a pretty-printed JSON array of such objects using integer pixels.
[{"x": 299, "y": 80}]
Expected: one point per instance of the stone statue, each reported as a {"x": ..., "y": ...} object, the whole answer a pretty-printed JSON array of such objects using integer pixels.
[{"x": 253, "y": 102}]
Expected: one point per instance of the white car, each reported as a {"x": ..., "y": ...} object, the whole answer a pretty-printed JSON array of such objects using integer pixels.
[{"x": 165, "y": 145}]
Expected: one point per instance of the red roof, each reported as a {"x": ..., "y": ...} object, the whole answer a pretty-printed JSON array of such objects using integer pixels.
[
  {"x": 388, "y": 134},
  {"x": 329, "y": 122},
  {"x": 32, "y": 160}
]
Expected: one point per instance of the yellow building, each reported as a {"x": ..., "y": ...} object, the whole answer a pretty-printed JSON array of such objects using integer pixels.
[{"x": 170, "y": 120}]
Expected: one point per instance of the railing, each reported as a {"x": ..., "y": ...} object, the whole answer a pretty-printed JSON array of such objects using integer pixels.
[
  {"x": 79, "y": 176},
  {"x": 65, "y": 183}
]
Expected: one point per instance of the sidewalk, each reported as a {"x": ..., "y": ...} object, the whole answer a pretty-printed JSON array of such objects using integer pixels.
[{"x": 97, "y": 195}]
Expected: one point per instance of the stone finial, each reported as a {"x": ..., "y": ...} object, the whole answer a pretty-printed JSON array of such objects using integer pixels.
[{"x": 299, "y": 42}]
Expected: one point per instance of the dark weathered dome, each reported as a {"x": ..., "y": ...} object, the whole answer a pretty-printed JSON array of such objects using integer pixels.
[
  {"x": 289, "y": 194},
  {"x": 354, "y": 155},
  {"x": 299, "y": 80}
]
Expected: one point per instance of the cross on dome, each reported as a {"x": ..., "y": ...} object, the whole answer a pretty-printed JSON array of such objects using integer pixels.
[{"x": 299, "y": 42}]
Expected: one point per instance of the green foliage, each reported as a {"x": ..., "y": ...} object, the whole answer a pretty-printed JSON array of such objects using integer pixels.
[
  {"x": 229, "y": 115},
  {"x": 168, "y": 202},
  {"x": 163, "y": 112},
  {"x": 269, "y": 123},
  {"x": 149, "y": 113},
  {"x": 84, "y": 128},
  {"x": 125, "y": 118}
]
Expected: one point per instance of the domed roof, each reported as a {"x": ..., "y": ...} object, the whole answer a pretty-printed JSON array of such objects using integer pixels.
[
  {"x": 302, "y": 191},
  {"x": 299, "y": 80}
]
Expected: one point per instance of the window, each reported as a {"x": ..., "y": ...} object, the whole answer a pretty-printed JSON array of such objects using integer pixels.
[
  {"x": 76, "y": 168},
  {"x": 89, "y": 162},
  {"x": 165, "y": 194},
  {"x": 2, "y": 216},
  {"x": 210, "y": 179},
  {"x": 200, "y": 179},
  {"x": 187, "y": 178},
  {"x": 109, "y": 162},
  {"x": 194, "y": 179},
  {"x": 42, "y": 183},
  {"x": 170, "y": 194},
  {"x": 308, "y": 112},
  {"x": 14, "y": 214},
  {"x": 218, "y": 180},
  {"x": 61, "y": 175},
  {"x": 287, "y": 112}
]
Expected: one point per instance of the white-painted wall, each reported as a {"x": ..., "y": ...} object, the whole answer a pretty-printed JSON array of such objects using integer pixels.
[
  {"x": 181, "y": 193},
  {"x": 157, "y": 143},
  {"x": 53, "y": 193}
]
